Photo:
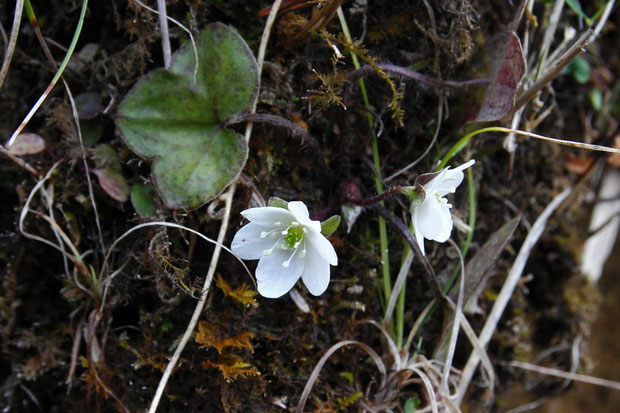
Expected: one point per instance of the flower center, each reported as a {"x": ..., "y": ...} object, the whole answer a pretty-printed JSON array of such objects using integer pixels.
[
  {"x": 442, "y": 200},
  {"x": 293, "y": 237}
]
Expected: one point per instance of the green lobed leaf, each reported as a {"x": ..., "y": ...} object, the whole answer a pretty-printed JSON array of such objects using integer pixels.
[{"x": 182, "y": 124}]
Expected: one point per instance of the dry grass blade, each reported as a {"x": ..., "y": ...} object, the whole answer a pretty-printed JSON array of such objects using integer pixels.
[
  {"x": 165, "y": 37},
  {"x": 392, "y": 346},
  {"x": 430, "y": 145},
  {"x": 185, "y": 29},
  {"x": 566, "y": 375},
  {"x": 39, "y": 102},
  {"x": 458, "y": 312},
  {"x": 601, "y": 23},
  {"x": 418, "y": 323},
  {"x": 319, "y": 366},
  {"x": 75, "y": 258},
  {"x": 479, "y": 349},
  {"x": 428, "y": 386},
  {"x": 564, "y": 142},
  {"x": 76, "y": 122},
  {"x": 218, "y": 243},
  {"x": 10, "y": 48},
  {"x": 398, "y": 285},
  {"x": 508, "y": 288}
]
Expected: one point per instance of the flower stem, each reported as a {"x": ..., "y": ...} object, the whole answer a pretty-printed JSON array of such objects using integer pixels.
[
  {"x": 366, "y": 202},
  {"x": 385, "y": 258}
]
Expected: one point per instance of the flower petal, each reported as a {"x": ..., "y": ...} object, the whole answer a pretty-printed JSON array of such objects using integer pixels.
[
  {"x": 452, "y": 179},
  {"x": 429, "y": 217},
  {"x": 431, "y": 186},
  {"x": 317, "y": 242},
  {"x": 446, "y": 224},
  {"x": 274, "y": 280},
  {"x": 248, "y": 244},
  {"x": 300, "y": 210},
  {"x": 316, "y": 272},
  {"x": 418, "y": 236},
  {"x": 269, "y": 216}
]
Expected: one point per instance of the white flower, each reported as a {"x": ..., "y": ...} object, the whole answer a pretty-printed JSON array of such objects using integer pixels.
[
  {"x": 432, "y": 219},
  {"x": 288, "y": 245}
]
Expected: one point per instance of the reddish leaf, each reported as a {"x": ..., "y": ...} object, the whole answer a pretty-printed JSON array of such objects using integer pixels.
[
  {"x": 614, "y": 159},
  {"x": 507, "y": 69},
  {"x": 578, "y": 164},
  {"x": 27, "y": 144},
  {"x": 113, "y": 183}
]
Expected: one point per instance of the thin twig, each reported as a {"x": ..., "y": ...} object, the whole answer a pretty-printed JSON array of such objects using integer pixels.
[
  {"x": 514, "y": 25},
  {"x": 19, "y": 161},
  {"x": 552, "y": 71},
  {"x": 430, "y": 145},
  {"x": 419, "y": 77}
]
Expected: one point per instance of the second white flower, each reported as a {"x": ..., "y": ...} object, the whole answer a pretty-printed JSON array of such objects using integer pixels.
[{"x": 288, "y": 245}]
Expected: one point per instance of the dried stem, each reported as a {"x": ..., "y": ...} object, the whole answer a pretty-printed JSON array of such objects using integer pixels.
[
  {"x": 431, "y": 278},
  {"x": 552, "y": 71}
]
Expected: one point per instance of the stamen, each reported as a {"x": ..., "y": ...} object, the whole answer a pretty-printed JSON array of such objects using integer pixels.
[
  {"x": 286, "y": 263},
  {"x": 271, "y": 233}
]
